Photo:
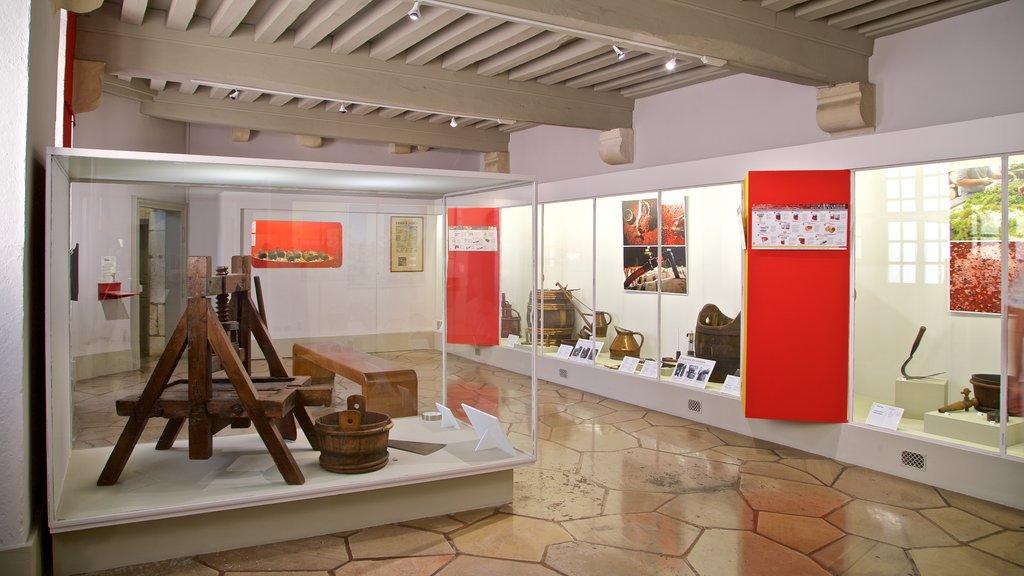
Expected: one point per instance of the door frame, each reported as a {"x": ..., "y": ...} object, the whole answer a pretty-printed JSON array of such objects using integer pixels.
[{"x": 138, "y": 203}]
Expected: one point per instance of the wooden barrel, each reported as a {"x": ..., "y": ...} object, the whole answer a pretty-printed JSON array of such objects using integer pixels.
[
  {"x": 556, "y": 316},
  {"x": 353, "y": 441},
  {"x": 717, "y": 337}
]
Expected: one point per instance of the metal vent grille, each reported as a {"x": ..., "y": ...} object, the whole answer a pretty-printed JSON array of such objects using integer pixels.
[
  {"x": 693, "y": 405},
  {"x": 912, "y": 459},
  {"x": 563, "y": 373}
]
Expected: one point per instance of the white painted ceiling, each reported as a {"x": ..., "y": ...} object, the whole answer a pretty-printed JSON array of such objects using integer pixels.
[{"x": 495, "y": 67}]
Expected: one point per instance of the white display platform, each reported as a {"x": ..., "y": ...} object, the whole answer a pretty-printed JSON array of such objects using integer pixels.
[
  {"x": 973, "y": 427},
  {"x": 166, "y": 505},
  {"x": 920, "y": 395}
]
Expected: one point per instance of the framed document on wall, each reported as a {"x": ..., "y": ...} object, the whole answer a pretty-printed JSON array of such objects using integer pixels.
[{"x": 407, "y": 244}]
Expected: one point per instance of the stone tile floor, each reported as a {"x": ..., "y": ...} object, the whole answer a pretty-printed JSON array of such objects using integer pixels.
[{"x": 619, "y": 489}]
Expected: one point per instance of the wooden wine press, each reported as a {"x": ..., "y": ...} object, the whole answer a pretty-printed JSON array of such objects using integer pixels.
[{"x": 220, "y": 340}]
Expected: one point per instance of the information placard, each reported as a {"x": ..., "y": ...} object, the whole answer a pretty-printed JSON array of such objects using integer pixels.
[{"x": 799, "y": 226}]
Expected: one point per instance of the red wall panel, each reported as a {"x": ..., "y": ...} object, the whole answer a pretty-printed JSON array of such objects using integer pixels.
[
  {"x": 797, "y": 313},
  {"x": 473, "y": 308}
]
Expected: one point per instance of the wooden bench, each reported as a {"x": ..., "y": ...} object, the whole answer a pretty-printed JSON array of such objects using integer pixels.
[{"x": 388, "y": 387}]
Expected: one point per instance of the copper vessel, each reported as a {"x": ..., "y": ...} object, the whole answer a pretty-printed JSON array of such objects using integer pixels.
[{"x": 625, "y": 344}]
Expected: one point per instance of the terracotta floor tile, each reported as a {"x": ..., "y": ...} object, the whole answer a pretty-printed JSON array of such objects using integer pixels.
[
  {"x": 961, "y": 561},
  {"x": 593, "y": 437},
  {"x": 778, "y": 470},
  {"x": 177, "y": 567},
  {"x": 646, "y": 532},
  {"x": 554, "y": 456},
  {"x": 961, "y": 525},
  {"x": 788, "y": 497},
  {"x": 470, "y": 516},
  {"x": 748, "y": 454},
  {"x": 510, "y": 537},
  {"x": 720, "y": 509},
  {"x": 307, "y": 554},
  {"x": 824, "y": 470},
  {"x": 662, "y": 419},
  {"x": 800, "y": 533},
  {"x": 588, "y": 410},
  {"x": 443, "y": 524},
  {"x": 996, "y": 513},
  {"x": 633, "y": 425},
  {"x": 393, "y": 540},
  {"x": 473, "y": 566},
  {"x": 856, "y": 556},
  {"x": 618, "y": 416},
  {"x": 878, "y": 487},
  {"x": 896, "y": 526},
  {"x": 585, "y": 559},
  {"x": 554, "y": 495},
  {"x": 1006, "y": 545},
  {"x": 741, "y": 553},
  {"x": 648, "y": 470},
  {"x": 414, "y": 566},
  {"x": 626, "y": 502},
  {"x": 675, "y": 439}
]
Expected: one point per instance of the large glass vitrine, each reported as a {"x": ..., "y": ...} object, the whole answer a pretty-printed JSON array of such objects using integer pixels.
[{"x": 937, "y": 253}]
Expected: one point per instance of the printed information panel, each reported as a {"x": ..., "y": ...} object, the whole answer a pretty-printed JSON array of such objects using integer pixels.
[{"x": 799, "y": 227}]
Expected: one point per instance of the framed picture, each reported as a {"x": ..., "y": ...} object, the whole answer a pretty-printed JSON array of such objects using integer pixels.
[{"x": 407, "y": 244}]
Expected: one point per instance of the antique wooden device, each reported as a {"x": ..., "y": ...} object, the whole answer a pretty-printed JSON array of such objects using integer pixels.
[
  {"x": 219, "y": 339},
  {"x": 555, "y": 312},
  {"x": 717, "y": 337},
  {"x": 388, "y": 387},
  {"x": 966, "y": 404}
]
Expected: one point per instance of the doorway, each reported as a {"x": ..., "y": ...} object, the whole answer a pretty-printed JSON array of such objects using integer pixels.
[{"x": 159, "y": 265}]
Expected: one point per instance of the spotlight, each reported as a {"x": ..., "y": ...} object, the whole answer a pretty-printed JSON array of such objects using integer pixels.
[
  {"x": 234, "y": 94},
  {"x": 618, "y": 52},
  {"x": 670, "y": 64},
  {"x": 414, "y": 12},
  {"x": 342, "y": 108},
  {"x": 453, "y": 123}
]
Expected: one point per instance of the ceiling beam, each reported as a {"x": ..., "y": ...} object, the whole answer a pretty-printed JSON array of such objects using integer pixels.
[
  {"x": 228, "y": 16},
  {"x": 325, "y": 20},
  {"x": 291, "y": 120},
  {"x": 151, "y": 50},
  {"x": 180, "y": 13},
  {"x": 278, "y": 18},
  {"x": 750, "y": 38}
]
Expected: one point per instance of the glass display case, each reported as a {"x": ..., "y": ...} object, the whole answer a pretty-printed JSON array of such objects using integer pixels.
[
  {"x": 934, "y": 312},
  {"x": 211, "y": 320},
  {"x": 641, "y": 278}
]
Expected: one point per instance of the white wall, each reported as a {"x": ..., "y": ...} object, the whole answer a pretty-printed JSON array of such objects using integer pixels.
[
  {"x": 216, "y": 141},
  {"x": 957, "y": 69},
  {"x": 14, "y": 45},
  {"x": 118, "y": 125}
]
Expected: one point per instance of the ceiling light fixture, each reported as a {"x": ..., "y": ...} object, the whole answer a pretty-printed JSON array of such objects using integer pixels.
[
  {"x": 344, "y": 105},
  {"x": 453, "y": 123},
  {"x": 633, "y": 45},
  {"x": 619, "y": 52},
  {"x": 670, "y": 64},
  {"x": 342, "y": 108},
  {"x": 234, "y": 94},
  {"x": 414, "y": 12}
]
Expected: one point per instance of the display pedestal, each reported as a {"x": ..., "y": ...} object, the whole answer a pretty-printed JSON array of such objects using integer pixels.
[
  {"x": 920, "y": 395},
  {"x": 973, "y": 427}
]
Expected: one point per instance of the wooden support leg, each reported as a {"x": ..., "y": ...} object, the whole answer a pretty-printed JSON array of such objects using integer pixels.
[
  {"x": 308, "y": 428},
  {"x": 143, "y": 408},
  {"x": 170, "y": 433},
  {"x": 247, "y": 397},
  {"x": 200, "y": 382}
]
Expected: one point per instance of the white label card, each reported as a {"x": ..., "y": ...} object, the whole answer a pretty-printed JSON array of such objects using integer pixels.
[
  {"x": 629, "y": 364},
  {"x": 650, "y": 368},
  {"x": 563, "y": 351},
  {"x": 884, "y": 416},
  {"x": 692, "y": 371},
  {"x": 732, "y": 386},
  {"x": 511, "y": 341}
]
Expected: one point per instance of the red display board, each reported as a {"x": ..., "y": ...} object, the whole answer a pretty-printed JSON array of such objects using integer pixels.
[
  {"x": 473, "y": 307},
  {"x": 291, "y": 244},
  {"x": 797, "y": 313}
]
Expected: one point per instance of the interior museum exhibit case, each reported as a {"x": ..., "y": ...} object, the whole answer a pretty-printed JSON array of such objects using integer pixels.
[
  {"x": 646, "y": 284},
  {"x": 937, "y": 337},
  {"x": 246, "y": 351}
]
